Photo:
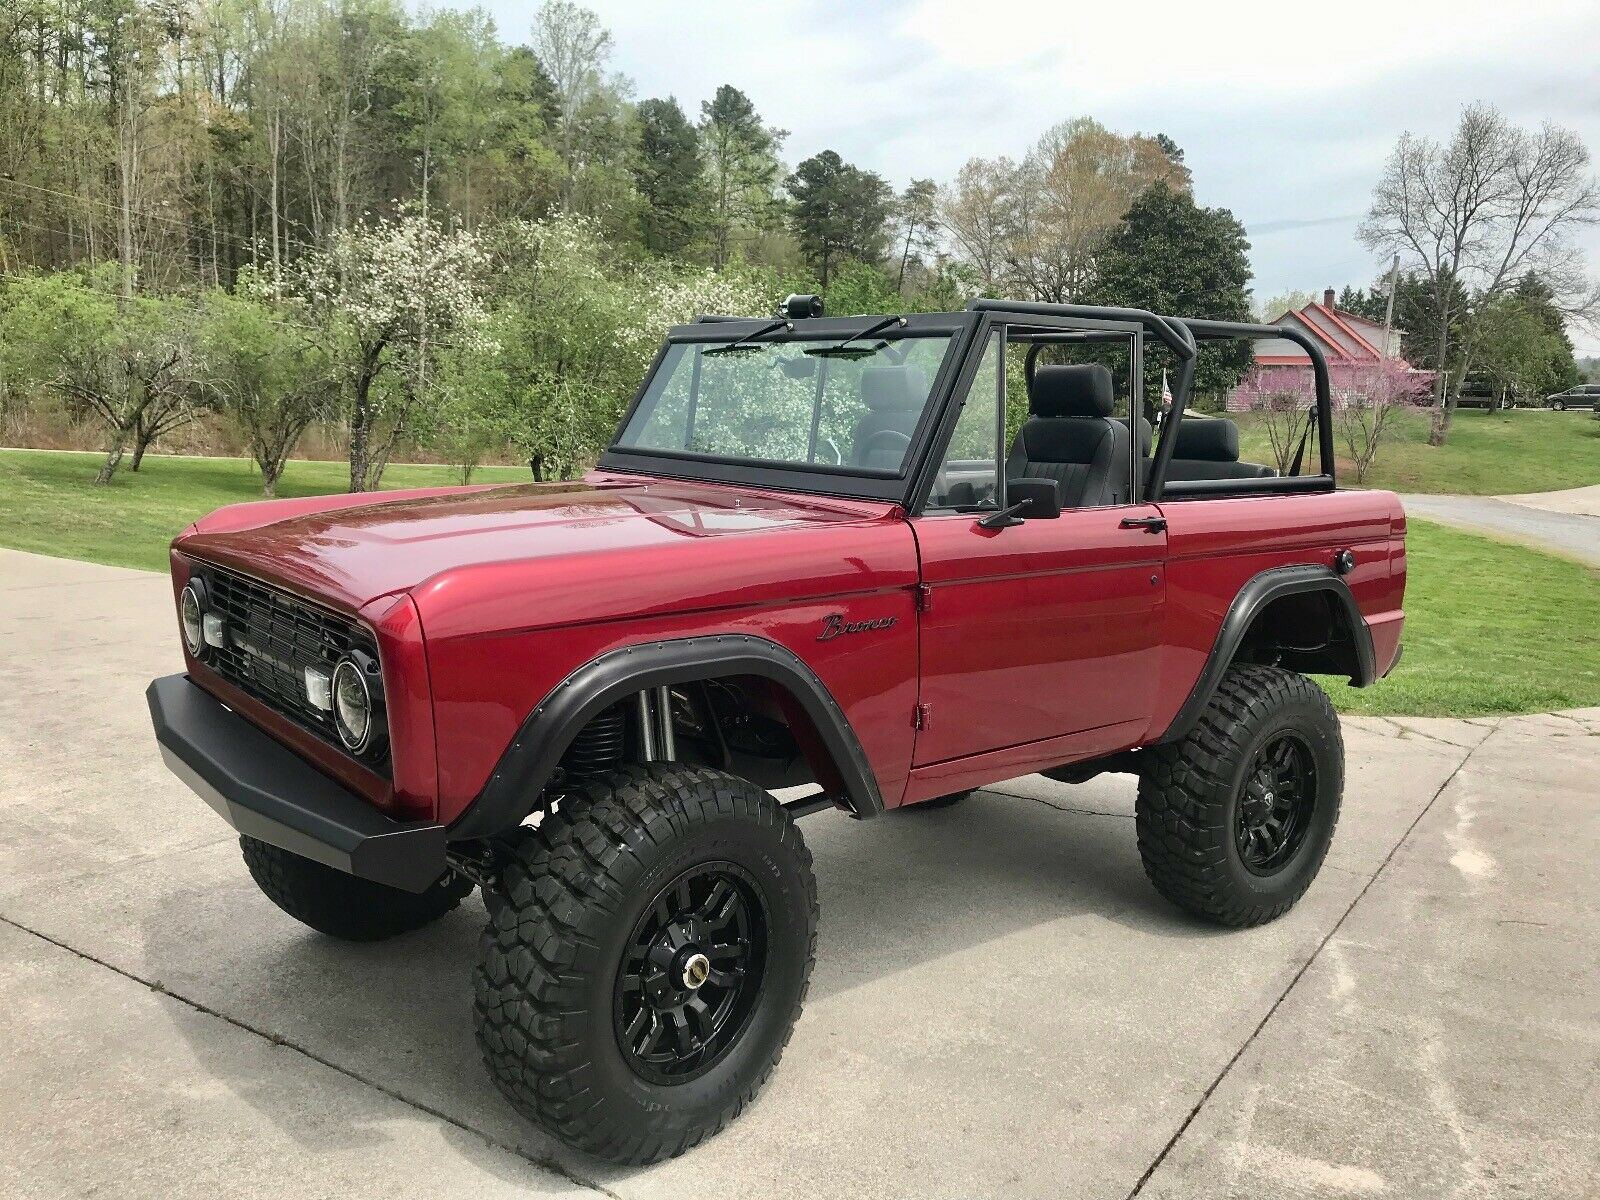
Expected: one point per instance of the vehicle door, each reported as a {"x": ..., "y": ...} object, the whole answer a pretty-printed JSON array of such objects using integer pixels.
[{"x": 1038, "y": 628}]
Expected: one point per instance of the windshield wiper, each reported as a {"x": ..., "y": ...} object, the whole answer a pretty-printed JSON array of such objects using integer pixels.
[
  {"x": 839, "y": 350},
  {"x": 751, "y": 336}
]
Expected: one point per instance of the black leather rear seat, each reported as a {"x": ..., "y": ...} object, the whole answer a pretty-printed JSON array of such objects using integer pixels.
[{"x": 1208, "y": 448}]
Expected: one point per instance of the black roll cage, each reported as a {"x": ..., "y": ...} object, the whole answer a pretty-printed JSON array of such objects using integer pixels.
[{"x": 970, "y": 332}]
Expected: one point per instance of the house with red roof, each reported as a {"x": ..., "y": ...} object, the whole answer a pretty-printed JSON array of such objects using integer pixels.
[{"x": 1353, "y": 345}]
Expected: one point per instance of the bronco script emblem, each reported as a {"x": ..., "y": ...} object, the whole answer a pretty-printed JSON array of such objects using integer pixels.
[{"x": 834, "y": 624}]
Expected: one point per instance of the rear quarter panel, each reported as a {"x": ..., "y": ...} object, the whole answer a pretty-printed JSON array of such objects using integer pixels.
[{"x": 1215, "y": 546}]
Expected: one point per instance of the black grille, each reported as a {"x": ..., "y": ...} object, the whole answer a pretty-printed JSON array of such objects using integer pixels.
[{"x": 272, "y": 638}]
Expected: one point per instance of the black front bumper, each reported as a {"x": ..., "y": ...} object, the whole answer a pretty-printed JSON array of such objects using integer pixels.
[{"x": 265, "y": 790}]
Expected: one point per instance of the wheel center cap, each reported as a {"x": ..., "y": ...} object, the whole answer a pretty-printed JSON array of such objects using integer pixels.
[{"x": 696, "y": 970}]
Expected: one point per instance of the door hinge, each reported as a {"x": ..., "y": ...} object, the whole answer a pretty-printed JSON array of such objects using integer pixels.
[
  {"x": 922, "y": 599},
  {"x": 919, "y": 716}
]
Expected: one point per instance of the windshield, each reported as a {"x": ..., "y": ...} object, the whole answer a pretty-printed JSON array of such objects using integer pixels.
[{"x": 829, "y": 404}]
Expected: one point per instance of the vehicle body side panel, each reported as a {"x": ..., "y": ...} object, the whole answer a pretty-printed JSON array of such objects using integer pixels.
[
  {"x": 1042, "y": 629},
  {"x": 491, "y": 661},
  {"x": 1215, "y": 546}
]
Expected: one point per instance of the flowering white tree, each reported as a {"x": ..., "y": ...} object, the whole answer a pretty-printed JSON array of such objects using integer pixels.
[
  {"x": 578, "y": 327},
  {"x": 388, "y": 297}
]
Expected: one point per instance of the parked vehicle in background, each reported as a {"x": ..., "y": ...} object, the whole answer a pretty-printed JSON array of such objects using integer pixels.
[
  {"x": 1481, "y": 392},
  {"x": 1584, "y": 395},
  {"x": 814, "y": 554}
]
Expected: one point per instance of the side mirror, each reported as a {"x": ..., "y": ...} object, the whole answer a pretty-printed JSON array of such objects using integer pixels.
[
  {"x": 1029, "y": 500},
  {"x": 1040, "y": 498}
]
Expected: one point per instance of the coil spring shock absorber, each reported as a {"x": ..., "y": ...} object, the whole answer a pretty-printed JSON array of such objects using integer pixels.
[{"x": 599, "y": 744}]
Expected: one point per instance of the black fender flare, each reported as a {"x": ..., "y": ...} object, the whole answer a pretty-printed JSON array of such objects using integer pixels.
[
  {"x": 529, "y": 761},
  {"x": 1260, "y": 591}
]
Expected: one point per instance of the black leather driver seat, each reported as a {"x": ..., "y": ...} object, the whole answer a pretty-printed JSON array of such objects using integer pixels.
[
  {"x": 894, "y": 397},
  {"x": 1071, "y": 438}
]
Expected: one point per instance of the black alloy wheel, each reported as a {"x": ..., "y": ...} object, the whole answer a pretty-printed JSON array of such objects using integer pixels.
[
  {"x": 1276, "y": 806},
  {"x": 1236, "y": 817},
  {"x": 691, "y": 973}
]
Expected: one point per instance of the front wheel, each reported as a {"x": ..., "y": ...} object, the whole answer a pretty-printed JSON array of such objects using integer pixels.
[
  {"x": 646, "y": 958},
  {"x": 340, "y": 905},
  {"x": 1235, "y": 819},
  {"x": 1559, "y": 405}
]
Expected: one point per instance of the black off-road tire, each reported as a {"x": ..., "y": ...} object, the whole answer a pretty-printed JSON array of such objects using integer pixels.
[
  {"x": 575, "y": 891},
  {"x": 1190, "y": 792},
  {"x": 340, "y": 905}
]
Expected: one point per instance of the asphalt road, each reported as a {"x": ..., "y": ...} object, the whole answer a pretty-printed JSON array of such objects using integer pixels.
[
  {"x": 1566, "y": 522},
  {"x": 1002, "y": 1006}
]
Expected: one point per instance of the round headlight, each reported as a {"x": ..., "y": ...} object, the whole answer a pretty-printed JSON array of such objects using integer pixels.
[
  {"x": 192, "y": 609},
  {"x": 353, "y": 714}
]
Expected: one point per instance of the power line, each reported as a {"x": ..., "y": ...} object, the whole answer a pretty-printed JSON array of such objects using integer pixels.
[{"x": 144, "y": 214}]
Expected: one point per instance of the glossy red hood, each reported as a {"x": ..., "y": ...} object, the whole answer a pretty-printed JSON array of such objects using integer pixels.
[{"x": 646, "y": 542}]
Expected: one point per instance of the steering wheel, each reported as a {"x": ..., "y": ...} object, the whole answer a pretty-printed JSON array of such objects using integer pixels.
[{"x": 901, "y": 442}]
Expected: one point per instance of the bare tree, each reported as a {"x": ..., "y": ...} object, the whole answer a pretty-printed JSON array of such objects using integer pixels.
[
  {"x": 978, "y": 211},
  {"x": 1364, "y": 400},
  {"x": 573, "y": 47},
  {"x": 1492, "y": 204},
  {"x": 1072, "y": 191}
]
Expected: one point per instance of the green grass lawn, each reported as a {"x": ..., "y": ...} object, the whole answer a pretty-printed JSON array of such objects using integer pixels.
[
  {"x": 1487, "y": 454},
  {"x": 1490, "y": 627},
  {"x": 49, "y": 504}
]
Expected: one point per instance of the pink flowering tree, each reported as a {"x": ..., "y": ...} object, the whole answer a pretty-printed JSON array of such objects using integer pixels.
[
  {"x": 1282, "y": 398},
  {"x": 1365, "y": 399}
]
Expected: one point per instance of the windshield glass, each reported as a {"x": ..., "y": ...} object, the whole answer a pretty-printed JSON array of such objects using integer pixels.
[{"x": 853, "y": 407}]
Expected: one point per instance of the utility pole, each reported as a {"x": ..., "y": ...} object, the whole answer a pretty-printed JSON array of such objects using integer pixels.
[{"x": 1388, "y": 309}]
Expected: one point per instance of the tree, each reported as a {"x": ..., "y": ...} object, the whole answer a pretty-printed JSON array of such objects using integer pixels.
[
  {"x": 573, "y": 48},
  {"x": 741, "y": 157},
  {"x": 978, "y": 210},
  {"x": 386, "y": 298},
  {"x": 1068, "y": 198},
  {"x": 1364, "y": 400},
  {"x": 269, "y": 376},
  {"x": 1522, "y": 342},
  {"x": 124, "y": 362},
  {"x": 840, "y": 212},
  {"x": 1273, "y": 307},
  {"x": 917, "y": 213},
  {"x": 1170, "y": 255},
  {"x": 669, "y": 177},
  {"x": 1478, "y": 212}
]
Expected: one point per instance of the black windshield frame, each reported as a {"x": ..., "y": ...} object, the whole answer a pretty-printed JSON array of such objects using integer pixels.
[{"x": 863, "y": 483}]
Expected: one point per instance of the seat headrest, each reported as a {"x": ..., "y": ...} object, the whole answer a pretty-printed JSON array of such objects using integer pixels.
[
  {"x": 1079, "y": 390},
  {"x": 894, "y": 389},
  {"x": 1212, "y": 440}
]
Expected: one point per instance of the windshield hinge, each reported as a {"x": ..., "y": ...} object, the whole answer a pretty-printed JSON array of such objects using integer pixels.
[
  {"x": 920, "y": 715},
  {"x": 922, "y": 598}
]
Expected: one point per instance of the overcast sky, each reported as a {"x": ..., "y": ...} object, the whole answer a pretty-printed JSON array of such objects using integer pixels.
[{"x": 1286, "y": 121}]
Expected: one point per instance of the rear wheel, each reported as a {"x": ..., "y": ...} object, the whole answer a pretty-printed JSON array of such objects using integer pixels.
[
  {"x": 1235, "y": 820},
  {"x": 646, "y": 958},
  {"x": 341, "y": 905}
]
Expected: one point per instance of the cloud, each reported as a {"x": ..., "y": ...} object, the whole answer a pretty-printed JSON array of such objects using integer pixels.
[{"x": 1285, "y": 115}]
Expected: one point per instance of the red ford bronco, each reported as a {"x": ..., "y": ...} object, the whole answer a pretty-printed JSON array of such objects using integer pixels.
[{"x": 817, "y": 555}]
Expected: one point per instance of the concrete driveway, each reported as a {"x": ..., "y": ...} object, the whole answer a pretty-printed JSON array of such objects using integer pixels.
[{"x": 1002, "y": 1006}]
